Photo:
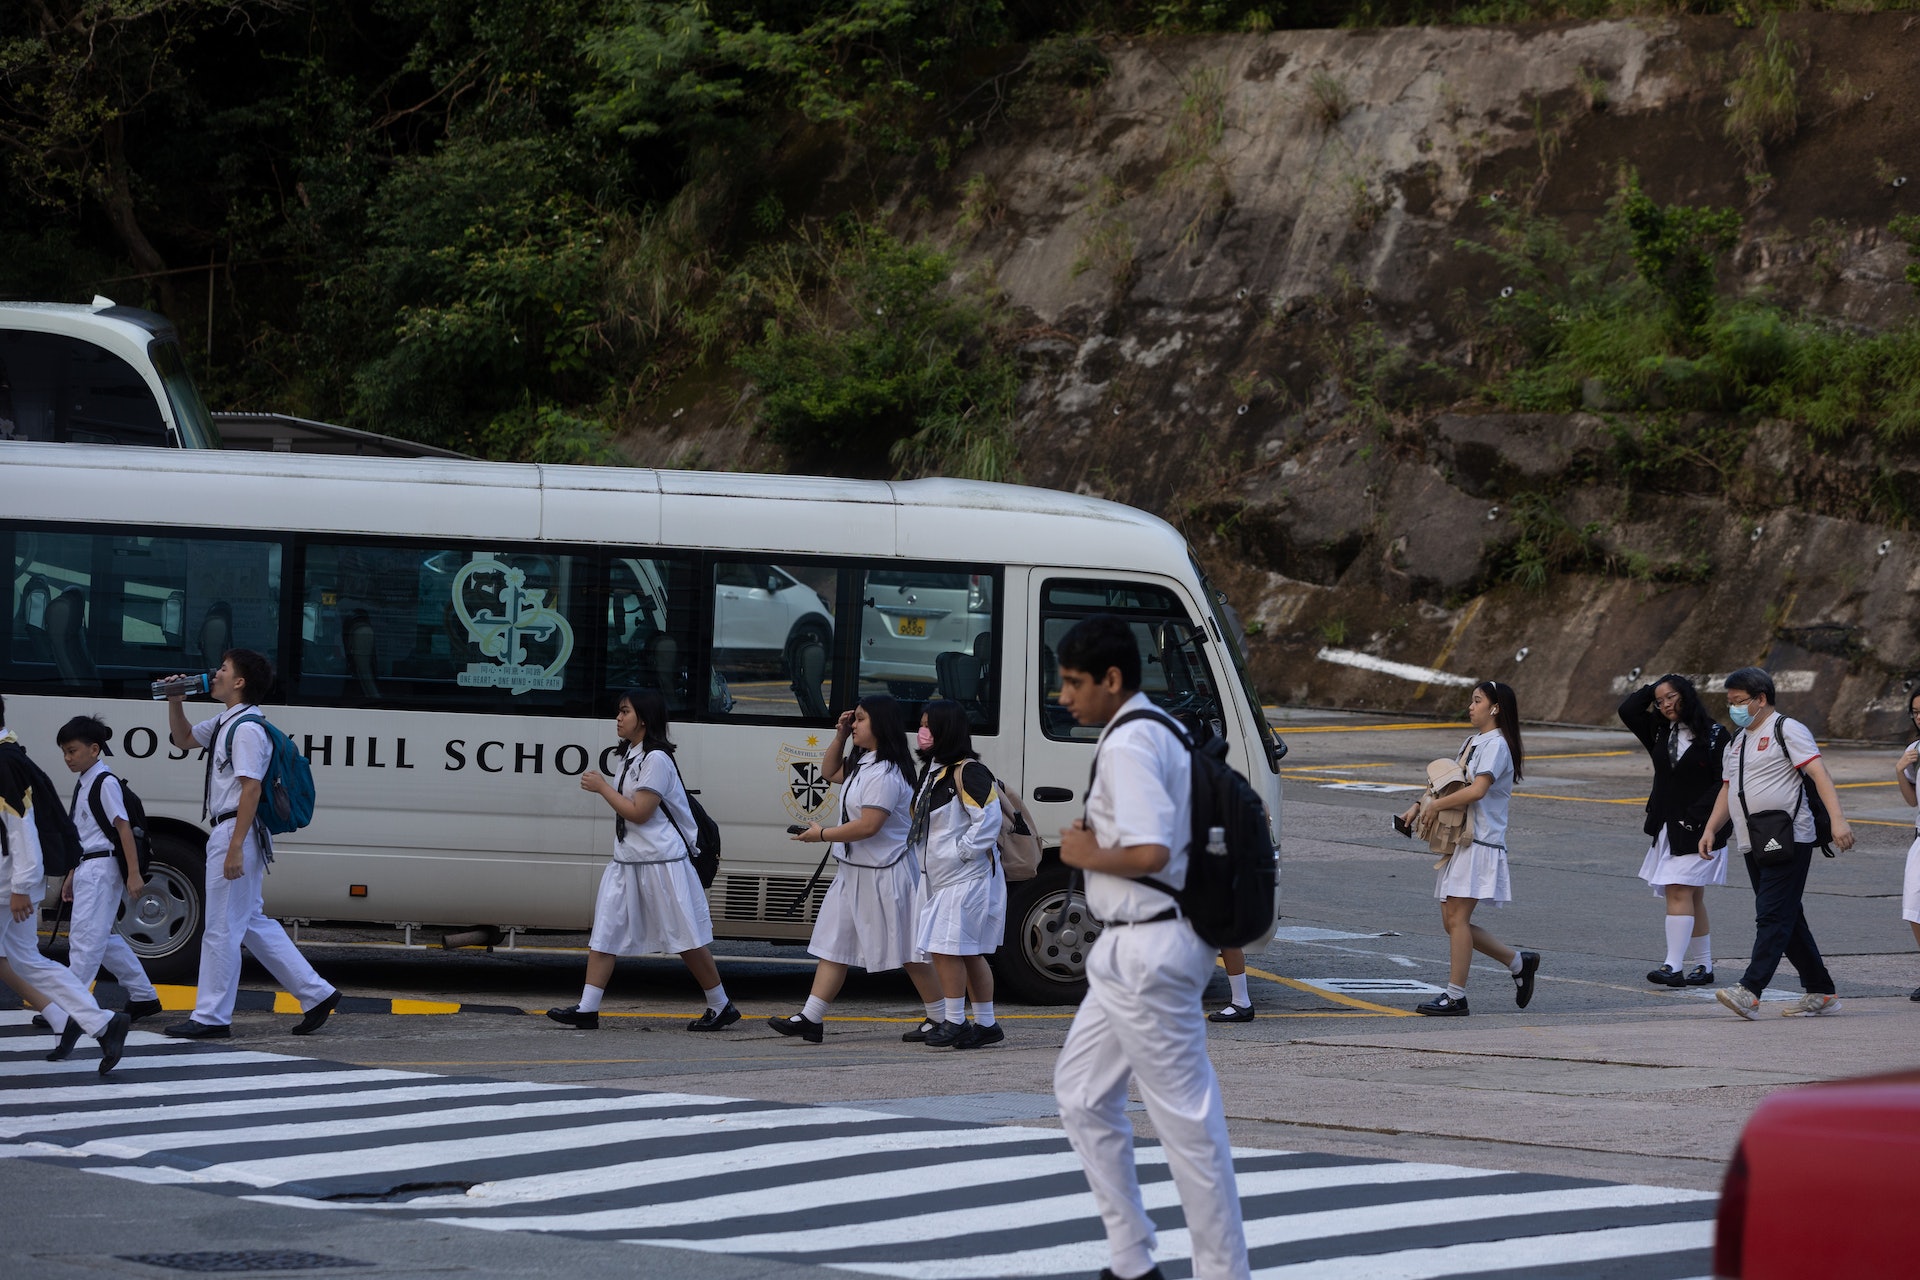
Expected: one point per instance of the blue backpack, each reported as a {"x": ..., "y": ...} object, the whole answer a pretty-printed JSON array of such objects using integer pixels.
[{"x": 287, "y": 792}]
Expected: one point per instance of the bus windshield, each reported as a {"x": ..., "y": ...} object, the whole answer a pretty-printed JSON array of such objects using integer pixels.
[{"x": 1234, "y": 640}]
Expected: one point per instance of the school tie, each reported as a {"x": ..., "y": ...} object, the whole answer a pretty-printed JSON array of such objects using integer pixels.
[{"x": 73, "y": 805}]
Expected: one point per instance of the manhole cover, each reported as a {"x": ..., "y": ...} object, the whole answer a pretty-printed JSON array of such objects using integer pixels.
[
  {"x": 1375, "y": 986},
  {"x": 234, "y": 1260}
]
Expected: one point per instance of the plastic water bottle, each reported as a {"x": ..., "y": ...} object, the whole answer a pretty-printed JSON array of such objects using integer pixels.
[
  {"x": 182, "y": 687},
  {"x": 1217, "y": 841}
]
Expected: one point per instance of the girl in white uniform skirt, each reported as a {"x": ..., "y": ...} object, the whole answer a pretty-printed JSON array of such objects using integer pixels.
[
  {"x": 650, "y": 901},
  {"x": 867, "y": 916},
  {"x": 1686, "y": 745},
  {"x": 1905, "y": 772},
  {"x": 1478, "y": 873},
  {"x": 963, "y": 911}
]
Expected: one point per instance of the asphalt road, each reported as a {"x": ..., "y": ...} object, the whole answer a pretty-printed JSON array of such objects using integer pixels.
[{"x": 1603, "y": 1077}]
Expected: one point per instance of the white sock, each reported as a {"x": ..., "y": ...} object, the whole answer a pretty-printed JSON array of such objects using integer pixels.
[
  {"x": 983, "y": 1012},
  {"x": 716, "y": 996},
  {"x": 56, "y": 1016},
  {"x": 954, "y": 1009},
  {"x": 815, "y": 1010},
  {"x": 1237, "y": 982},
  {"x": 1700, "y": 951},
  {"x": 1513, "y": 965},
  {"x": 1457, "y": 993},
  {"x": 1679, "y": 931},
  {"x": 590, "y": 998},
  {"x": 936, "y": 1010}
]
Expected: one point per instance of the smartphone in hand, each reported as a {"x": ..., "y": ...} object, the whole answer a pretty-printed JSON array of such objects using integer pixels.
[
  {"x": 1400, "y": 824},
  {"x": 796, "y": 828}
]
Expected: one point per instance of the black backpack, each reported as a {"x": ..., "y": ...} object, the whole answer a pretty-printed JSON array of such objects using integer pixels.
[
  {"x": 59, "y": 838},
  {"x": 1822, "y": 820},
  {"x": 1228, "y": 897},
  {"x": 704, "y": 850},
  {"x": 136, "y": 818}
]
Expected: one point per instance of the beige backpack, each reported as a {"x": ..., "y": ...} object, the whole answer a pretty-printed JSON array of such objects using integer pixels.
[
  {"x": 1452, "y": 828},
  {"x": 1018, "y": 845}
]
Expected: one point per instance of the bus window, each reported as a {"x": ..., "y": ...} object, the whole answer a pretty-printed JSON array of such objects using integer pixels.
[
  {"x": 89, "y": 608},
  {"x": 443, "y": 628},
  {"x": 650, "y": 605},
  {"x": 773, "y": 638},
  {"x": 1173, "y": 667},
  {"x": 67, "y": 389},
  {"x": 927, "y": 633}
]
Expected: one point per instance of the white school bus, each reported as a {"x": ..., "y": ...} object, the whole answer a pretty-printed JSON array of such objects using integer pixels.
[{"x": 450, "y": 639}]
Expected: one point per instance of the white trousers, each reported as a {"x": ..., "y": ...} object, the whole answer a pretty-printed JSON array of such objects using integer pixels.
[
  {"x": 98, "y": 892},
  {"x": 20, "y": 940},
  {"x": 236, "y": 918},
  {"x": 1142, "y": 1020}
]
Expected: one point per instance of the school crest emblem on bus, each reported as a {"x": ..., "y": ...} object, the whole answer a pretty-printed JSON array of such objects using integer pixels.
[
  {"x": 806, "y": 788},
  {"x": 526, "y": 641}
]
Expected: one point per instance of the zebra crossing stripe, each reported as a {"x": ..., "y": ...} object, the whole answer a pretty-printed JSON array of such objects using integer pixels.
[
  {"x": 108, "y": 1117},
  {"x": 1077, "y": 1207},
  {"x": 1518, "y": 1255},
  {"x": 113, "y": 1090}
]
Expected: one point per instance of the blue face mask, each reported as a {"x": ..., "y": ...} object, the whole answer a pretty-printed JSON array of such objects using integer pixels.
[{"x": 1742, "y": 715}]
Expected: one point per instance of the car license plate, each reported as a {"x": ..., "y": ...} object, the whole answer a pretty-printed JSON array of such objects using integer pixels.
[{"x": 911, "y": 627}]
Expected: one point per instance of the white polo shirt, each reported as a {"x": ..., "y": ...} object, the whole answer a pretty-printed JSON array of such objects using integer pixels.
[
  {"x": 1141, "y": 794},
  {"x": 1773, "y": 774},
  {"x": 252, "y": 753},
  {"x": 92, "y": 838}
]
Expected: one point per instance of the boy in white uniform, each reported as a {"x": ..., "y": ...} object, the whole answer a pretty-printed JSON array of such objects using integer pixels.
[
  {"x": 98, "y": 885},
  {"x": 1146, "y": 975},
  {"x": 237, "y": 857},
  {"x": 1766, "y": 761},
  {"x": 22, "y": 874}
]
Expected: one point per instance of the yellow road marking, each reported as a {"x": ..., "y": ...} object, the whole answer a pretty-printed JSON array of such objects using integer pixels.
[
  {"x": 1535, "y": 795},
  {"x": 284, "y": 1003},
  {"x": 424, "y": 1006},
  {"x": 1845, "y": 785},
  {"x": 1285, "y": 729},
  {"x": 1581, "y": 755},
  {"x": 1323, "y": 768},
  {"x": 1334, "y": 996}
]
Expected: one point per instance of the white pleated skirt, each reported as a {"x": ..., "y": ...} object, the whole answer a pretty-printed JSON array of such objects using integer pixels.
[
  {"x": 1476, "y": 871},
  {"x": 650, "y": 909},
  {"x": 1660, "y": 869},
  {"x": 1910, "y": 899},
  {"x": 867, "y": 918},
  {"x": 965, "y": 919}
]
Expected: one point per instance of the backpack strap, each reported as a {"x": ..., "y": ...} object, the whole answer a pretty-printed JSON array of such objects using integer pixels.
[{"x": 1186, "y": 740}]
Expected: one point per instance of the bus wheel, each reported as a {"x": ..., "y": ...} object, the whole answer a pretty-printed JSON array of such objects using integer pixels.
[
  {"x": 1043, "y": 959},
  {"x": 163, "y": 925}
]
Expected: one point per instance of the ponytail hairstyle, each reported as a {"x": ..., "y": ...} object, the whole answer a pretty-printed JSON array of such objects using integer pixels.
[
  {"x": 952, "y": 734},
  {"x": 651, "y": 708},
  {"x": 889, "y": 734},
  {"x": 1506, "y": 706},
  {"x": 1693, "y": 712}
]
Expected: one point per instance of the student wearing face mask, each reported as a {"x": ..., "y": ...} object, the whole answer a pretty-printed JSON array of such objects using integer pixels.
[
  {"x": 1478, "y": 873},
  {"x": 1764, "y": 793},
  {"x": 1686, "y": 745}
]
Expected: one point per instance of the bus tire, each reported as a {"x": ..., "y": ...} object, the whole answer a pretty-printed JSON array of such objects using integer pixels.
[
  {"x": 165, "y": 923},
  {"x": 1043, "y": 960}
]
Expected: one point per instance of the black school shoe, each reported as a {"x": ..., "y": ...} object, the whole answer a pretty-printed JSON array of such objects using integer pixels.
[
  {"x": 713, "y": 1020},
  {"x": 315, "y": 1018},
  {"x": 1107, "y": 1273},
  {"x": 1443, "y": 1006},
  {"x": 947, "y": 1035},
  {"x": 191, "y": 1030},
  {"x": 798, "y": 1025},
  {"x": 1698, "y": 976},
  {"x": 1523, "y": 980},
  {"x": 919, "y": 1034},
  {"x": 978, "y": 1037},
  {"x": 113, "y": 1042},
  {"x": 40, "y": 1022},
  {"x": 1232, "y": 1013},
  {"x": 69, "y": 1037},
  {"x": 570, "y": 1016},
  {"x": 138, "y": 1009},
  {"x": 1665, "y": 976},
  {"x": 1915, "y": 995}
]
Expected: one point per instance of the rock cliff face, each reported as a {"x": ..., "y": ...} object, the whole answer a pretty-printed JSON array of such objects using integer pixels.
[{"x": 1220, "y": 243}]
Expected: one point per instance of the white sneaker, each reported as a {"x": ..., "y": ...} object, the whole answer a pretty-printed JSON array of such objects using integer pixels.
[
  {"x": 1813, "y": 1003},
  {"x": 1740, "y": 1000}
]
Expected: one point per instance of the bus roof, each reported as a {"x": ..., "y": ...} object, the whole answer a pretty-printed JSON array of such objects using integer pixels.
[{"x": 934, "y": 519}]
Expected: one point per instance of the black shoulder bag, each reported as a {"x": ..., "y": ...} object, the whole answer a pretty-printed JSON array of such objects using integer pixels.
[{"x": 1769, "y": 832}]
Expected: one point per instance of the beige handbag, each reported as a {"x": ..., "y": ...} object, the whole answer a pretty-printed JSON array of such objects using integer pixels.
[{"x": 1452, "y": 828}]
